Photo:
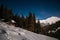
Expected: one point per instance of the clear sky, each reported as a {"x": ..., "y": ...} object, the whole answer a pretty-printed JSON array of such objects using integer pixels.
[{"x": 42, "y": 8}]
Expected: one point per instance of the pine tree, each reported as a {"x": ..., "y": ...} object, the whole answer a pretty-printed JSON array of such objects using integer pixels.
[
  {"x": 18, "y": 20},
  {"x": 26, "y": 22},
  {"x": 5, "y": 13},
  {"x": 23, "y": 21},
  {"x": 30, "y": 22},
  {"x": 1, "y": 10},
  {"x": 34, "y": 18},
  {"x": 38, "y": 27}
]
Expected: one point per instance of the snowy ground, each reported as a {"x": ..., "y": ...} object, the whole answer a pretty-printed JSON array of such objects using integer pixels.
[{"x": 15, "y": 33}]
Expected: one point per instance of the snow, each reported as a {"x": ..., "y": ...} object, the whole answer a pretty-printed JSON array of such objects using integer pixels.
[
  {"x": 13, "y": 21},
  {"x": 2, "y": 19},
  {"x": 15, "y": 33},
  {"x": 49, "y": 31},
  {"x": 49, "y": 20},
  {"x": 52, "y": 19},
  {"x": 58, "y": 29}
]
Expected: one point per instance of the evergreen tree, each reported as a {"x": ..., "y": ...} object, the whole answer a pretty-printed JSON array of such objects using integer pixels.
[
  {"x": 1, "y": 10},
  {"x": 38, "y": 27},
  {"x": 30, "y": 22},
  {"x": 26, "y": 22},
  {"x": 34, "y": 18},
  {"x": 17, "y": 19},
  {"x": 23, "y": 21},
  {"x": 57, "y": 34},
  {"x": 5, "y": 13}
]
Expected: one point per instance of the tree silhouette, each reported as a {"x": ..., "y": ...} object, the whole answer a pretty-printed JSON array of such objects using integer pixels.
[
  {"x": 38, "y": 27},
  {"x": 30, "y": 22}
]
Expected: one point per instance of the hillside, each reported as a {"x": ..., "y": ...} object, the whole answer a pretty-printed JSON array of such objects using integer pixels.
[{"x": 10, "y": 32}]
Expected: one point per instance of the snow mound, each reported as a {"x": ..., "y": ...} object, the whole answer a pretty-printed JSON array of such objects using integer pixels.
[
  {"x": 15, "y": 33},
  {"x": 13, "y": 21}
]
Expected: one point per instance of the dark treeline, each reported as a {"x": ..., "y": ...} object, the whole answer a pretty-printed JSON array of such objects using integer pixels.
[{"x": 29, "y": 22}]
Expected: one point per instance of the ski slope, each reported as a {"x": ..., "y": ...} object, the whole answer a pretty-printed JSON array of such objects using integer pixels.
[{"x": 15, "y": 33}]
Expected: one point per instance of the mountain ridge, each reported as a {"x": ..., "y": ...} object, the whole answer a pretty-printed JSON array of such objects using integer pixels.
[{"x": 50, "y": 20}]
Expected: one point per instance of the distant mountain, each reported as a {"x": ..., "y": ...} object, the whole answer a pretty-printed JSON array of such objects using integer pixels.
[{"x": 49, "y": 20}]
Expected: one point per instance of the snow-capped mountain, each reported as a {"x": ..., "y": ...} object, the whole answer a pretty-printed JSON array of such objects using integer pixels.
[
  {"x": 49, "y": 20},
  {"x": 10, "y": 32}
]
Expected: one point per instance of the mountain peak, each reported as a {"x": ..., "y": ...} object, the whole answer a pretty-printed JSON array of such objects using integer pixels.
[{"x": 50, "y": 20}]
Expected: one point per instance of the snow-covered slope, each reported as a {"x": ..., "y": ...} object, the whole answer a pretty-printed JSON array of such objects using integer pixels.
[{"x": 15, "y": 33}]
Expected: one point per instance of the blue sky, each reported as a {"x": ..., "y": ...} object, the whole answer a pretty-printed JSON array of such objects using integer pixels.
[{"x": 42, "y": 8}]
